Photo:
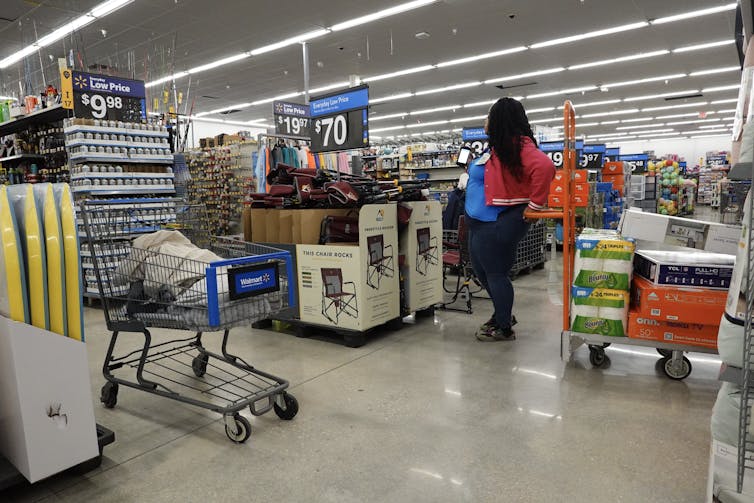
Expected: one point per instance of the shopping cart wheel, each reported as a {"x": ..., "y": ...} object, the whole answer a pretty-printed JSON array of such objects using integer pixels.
[
  {"x": 109, "y": 394},
  {"x": 199, "y": 365},
  {"x": 242, "y": 429},
  {"x": 597, "y": 356},
  {"x": 676, "y": 369},
  {"x": 291, "y": 407},
  {"x": 667, "y": 353}
]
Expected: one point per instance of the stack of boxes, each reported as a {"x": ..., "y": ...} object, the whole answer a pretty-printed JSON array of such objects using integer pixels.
[
  {"x": 589, "y": 203},
  {"x": 679, "y": 296},
  {"x": 643, "y": 192}
]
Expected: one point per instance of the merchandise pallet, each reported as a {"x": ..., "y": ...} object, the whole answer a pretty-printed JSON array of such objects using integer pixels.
[{"x": 349, "y": 338}]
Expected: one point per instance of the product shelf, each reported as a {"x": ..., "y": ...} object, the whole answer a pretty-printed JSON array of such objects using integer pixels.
[
  {"x": 146, "y": 189},
  {"x": 122, "y": 158},
  {"x": 122, "y": 175},
  {"x": 19, "y": 157},
  {"x": 44, "y": 116},
  {"x": 79, "y": 128}
]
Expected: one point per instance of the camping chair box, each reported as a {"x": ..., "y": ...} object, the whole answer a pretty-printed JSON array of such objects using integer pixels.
[
  {"x": 421, "y": 248},
  {"x": 352, "y": 286}
]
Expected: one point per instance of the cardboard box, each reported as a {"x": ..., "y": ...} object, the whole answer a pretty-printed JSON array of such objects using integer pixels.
[
  {"x": 691, "y": 268},
  {"x": 246, "y": 224},
  {"x": 673, "y": 303},
  {"x": 692, "y": 334},
  {"x": 718, "y": 238},
  {"x": 554, "y": 201},
  {"x": 618, "y": 179},
  {"x": 580, "y": 188},
  {"x": 421, "y": 247},
  {"x": 612, "y": 168},
  {"x": 354, "y": 287},
  {"x": 46, "y": 408},
  {"x": 579, "y": 175},
  {"x": 287, "y": 226}
]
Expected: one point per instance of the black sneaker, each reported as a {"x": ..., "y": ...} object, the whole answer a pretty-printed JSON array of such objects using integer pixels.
[
  {"x": 497, "y": 334},
  {"x": 492, "y": 323}
]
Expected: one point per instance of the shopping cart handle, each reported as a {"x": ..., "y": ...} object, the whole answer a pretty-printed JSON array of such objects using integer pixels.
[{"x": 543, "y": 214}]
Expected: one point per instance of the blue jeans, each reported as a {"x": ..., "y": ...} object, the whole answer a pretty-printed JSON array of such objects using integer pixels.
[{"x": 492, "y": 246}]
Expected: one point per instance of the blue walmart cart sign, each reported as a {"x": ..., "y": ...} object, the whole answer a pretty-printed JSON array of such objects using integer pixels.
[
  {"x": 473, "y": 134},
  {"x": 341, "y": 102},
  {"x": 252, "y": 280}
]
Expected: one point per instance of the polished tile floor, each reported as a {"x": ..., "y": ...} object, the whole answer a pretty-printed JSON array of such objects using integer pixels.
[{"x": 425, "y": 414}]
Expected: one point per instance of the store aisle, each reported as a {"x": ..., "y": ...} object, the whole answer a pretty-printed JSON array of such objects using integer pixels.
[{"x": 423, "y": 414}]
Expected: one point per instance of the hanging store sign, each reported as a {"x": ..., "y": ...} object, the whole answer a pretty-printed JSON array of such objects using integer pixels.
[
  {"x": 637, "y": 162},
  {"x": 292, "y": 119},
  {"x": 475, "y": 139},
  {"x": 104, "y": 97},
  {"x": 611, "y": 154},
  {"x": 554, "y": 150},
  {"x": 339, "y": 120},
  {"x": 592, "y": 156}
]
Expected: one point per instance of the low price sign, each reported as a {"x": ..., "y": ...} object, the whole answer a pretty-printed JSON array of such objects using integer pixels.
[
  {"x": 554, "y": 150},
  {"x": 104, "y": 97},
  {"x": 611, "y": 154},
  {"x": 339, "y": 120},
  {"x": 637, "y": 162},
  {"x": 475, "y": 139},
  {"x": 592, "y": 156},
  {"x": 292, "y": 119}
]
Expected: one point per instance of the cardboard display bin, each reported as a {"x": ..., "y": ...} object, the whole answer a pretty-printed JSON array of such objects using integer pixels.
[{"x": 421, "y": 247}]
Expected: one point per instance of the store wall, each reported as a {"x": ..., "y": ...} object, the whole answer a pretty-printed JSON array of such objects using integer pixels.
[
  {"x": 206, "y": 129},
  {"x": 690, "y": 150}
]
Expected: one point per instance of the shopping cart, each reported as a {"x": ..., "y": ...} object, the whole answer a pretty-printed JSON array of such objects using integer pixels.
[{"x": 145, "y": 282}]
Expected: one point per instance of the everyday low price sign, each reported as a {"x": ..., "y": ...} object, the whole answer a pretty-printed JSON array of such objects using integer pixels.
[
  {"x": 105, "y": 97},
  {"x": 291, "y": 119},
  {"x": 475, "y": 139},
  {"x": 554, "y": 150},
  {"x": 636, "y": 162},
  {"x": 340, "y": 120}
]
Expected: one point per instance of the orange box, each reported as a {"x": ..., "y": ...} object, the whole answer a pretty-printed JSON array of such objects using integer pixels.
[
  {"x": 557, "y": 189},
  {"x": 580, "y": 175},
  {"x": 554, "y": 201},
  {"x": 615, "y": 179},
  {"x": 692, "y": 334},
  {"x": 580, "y": 200},
  {"x": 674, "y": 303},
  {"x": 612, "y": 168}
]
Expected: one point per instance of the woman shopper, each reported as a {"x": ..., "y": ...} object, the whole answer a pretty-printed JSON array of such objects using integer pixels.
[{"x": 512, "y": 175}]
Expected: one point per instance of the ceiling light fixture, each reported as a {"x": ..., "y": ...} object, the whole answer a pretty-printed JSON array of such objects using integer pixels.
[
  {"x": 621, "y": 59},
  {"x": 425, "y": 124},
  {"x": 676, "y": 116},
  {"x": 219, "y": 62},
  {"x": 465, "y": 119},
  {"x": 695, "y": 13},
  {"x": 290, "y": 41},
  {"x": 404, "y": 7},
  {"x": 614, "y": 112},
  {"x": 390, "y": 75},
  {"x": 708, "y": 45},
  {"x": 713, "y": 71},
  {"x": 389, "y": 116},
  {"x": 591, "y": 34},
  {"x": 448, "y": 88},
  {"x": 720, "y": 102},
  {"x": 712, "y": 135},
  {"x": 592, "y": 104},
  {"x": 644, "y": 81},
  {"x": 562, "y": 91},
  {"x": 721, "y": 88},
  {"x": 478, "y": 57},
  {"x": 605, "y": 123},
  {"x": 678, "y": 123},
  {"x": 479, "y": 103},
  {"x": 391, "y": 128},
  {"x": 639, "y": 127},
  {"x": 662, "y": 95},
  {"x": 640, "y": 119},
  {"x": 671, "y": 107},
  {"x": 329, "y": 87},
  {"x": 97, "y": 12},
  {"x": 525, "y": 75},
  {"x": 393, "y": 97},
  {"x": 433, "y": 110},
  {"x": 542, "y": 121}
]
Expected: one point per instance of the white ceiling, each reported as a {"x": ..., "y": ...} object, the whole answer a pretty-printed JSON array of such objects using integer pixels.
[{"x": 204, "y": 31}]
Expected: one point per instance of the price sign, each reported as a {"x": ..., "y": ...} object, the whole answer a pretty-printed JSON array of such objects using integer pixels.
[
  {"x": 636, "y": 162},
  {"x": 475, "y": 139},
  {"x": 108, "y": 98},
  {"x": 591, "y": 157},
  {"x": 339, "y": 120},
  {"x": 292, "y": 119},
  {"x": 554, "y": 150},
  {"x": 611, "y": 154}
]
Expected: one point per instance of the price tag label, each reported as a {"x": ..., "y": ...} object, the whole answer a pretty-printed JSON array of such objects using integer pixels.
[
  {"x": 636, "y": 162},
  {"x": 554, "y": 150},
  {"x": 592, "y": 156},
  {"x": 108, "y": 98},
  {"x": 292, "y": 119},
  {"x": 339, "y": 121}
]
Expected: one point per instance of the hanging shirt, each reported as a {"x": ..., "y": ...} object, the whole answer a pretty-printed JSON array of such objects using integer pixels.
[
  {"x": 302, "y": 157},
  {"x": 260, "y": 171}
]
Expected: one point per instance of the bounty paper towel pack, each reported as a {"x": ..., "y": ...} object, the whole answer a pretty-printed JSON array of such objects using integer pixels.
[
  {"x": 600, "y": 311},
  {"x": 603, "y": 260}
]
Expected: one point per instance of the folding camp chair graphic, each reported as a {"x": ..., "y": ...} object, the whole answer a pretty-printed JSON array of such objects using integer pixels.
[
  {"x": 427, "y": 250},
  {"x": 335, "y": 299},
  {"x": 380, "y": 261}
]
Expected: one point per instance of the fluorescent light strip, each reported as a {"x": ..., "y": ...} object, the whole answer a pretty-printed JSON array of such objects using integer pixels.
[
  {"x": 482, "y": 56},
  {"x": 708, "y": 131},
  {"x": 720, "y": 102},
  {"x": 621, "y": 59},
  {"x": 653, "y": 131},
  {"x": 726, "y": 135},
  {"x": 643, "y": 81},
  {"x": 391, "y": 128},
  {"x": 708, "y": 45},
  {"x": 433, "y": 110},
  {"x": 605, "y": 123},
  {"x": 678, "y": 123},
  {"x": 381, "y": 14},
  {"x": 543, "y": 121},
  {"x": 393, "y": 97},
  {"x": 672, "y": 107},
  {"x": 676, "y": 116},
  {"x": 655, "y": 135},
  {"x": 98, "y": 12},
  {"x": 448, "y": 88},
  {"x": 695, "y": 13},
  {"x": 425, "y": 124},
  {"x": 479, "y": 103},
  {"x": 465, "y": 119},
  {"x": 329, "y": 87},
  {"x": 592, "y": 104},
  {"x": 219, "y": 62},
  {"x": 614, "y": 112},
  {"x": 224, "y": 109},
  {"x": 721, "y": 88},
  {"x": 710, "y": 126},
  {"x": 389, "y": 116},
  {"x": 520, "y": 76},
  {"x": 713, "y": 71},
  {"x": 407, "y": 71},
  {"x": 562, "y": 91},
  {"x": 591, "y": 34},
  {"x": 640, "y": 119},
  {"x": 663, "y": 95},
  {"x": 639, "y": 127}
]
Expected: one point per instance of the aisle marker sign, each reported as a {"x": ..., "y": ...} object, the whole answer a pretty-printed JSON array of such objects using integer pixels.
[
  {"x": 340, "y": 120},
  {"x": 66, "y": 88},
  {"x": 554, "y": 150},
  {"x": 637, "y": 162},
  {"x": 592, "y": 156},
  {"x": 109, "y": 98},
  {"x": 475, "y": 139},
  {"x": 292, "y": 119}
]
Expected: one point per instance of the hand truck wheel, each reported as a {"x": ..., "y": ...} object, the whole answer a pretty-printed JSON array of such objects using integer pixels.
[
  {"x": 242, "y": 429},
  {"x": 199, "y": 365},
  {"x": 291, "y": 407},
  {"x": 667, "y": 353},
  {"x": 676, "y": 369},
  {"x": 597, "y": 356},
  {"x": 109, "y": 394}
]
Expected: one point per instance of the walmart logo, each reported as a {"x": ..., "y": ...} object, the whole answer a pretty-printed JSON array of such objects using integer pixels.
[{"x": 80, "y": 82}]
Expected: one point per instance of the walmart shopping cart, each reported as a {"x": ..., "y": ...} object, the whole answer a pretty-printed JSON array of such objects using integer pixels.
[{"x": 161, "y": 268}]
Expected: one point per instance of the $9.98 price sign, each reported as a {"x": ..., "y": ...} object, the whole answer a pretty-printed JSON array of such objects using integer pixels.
[
  {"x": 339, "y": 120},
  {"x": 106, "y": 98}
]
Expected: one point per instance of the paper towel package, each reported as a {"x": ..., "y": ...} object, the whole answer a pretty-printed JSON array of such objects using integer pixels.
[
  {"x": 685, "y": 268},
  {"x": 677, "y": 303},
  {"x": 599, "y": 311},
  {"x": 603, "y": 260},
  {"x": 692, "y": 334}
]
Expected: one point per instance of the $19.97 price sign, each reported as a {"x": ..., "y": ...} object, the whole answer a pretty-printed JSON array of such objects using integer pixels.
[
  {"x": 291, "y": 119},
  {"x": 104, "y": 97},
  {"x": 339, "y": 120}
]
